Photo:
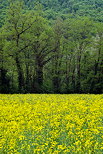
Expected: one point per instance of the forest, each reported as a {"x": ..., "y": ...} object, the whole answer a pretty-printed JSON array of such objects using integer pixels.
[{"x": 51, "y": 46}]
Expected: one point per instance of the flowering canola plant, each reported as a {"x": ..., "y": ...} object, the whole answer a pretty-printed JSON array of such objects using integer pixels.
[{"x": 51, "y": 124}]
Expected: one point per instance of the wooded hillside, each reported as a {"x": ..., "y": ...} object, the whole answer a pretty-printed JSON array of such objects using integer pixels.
[{"x": 51, "y": 46}]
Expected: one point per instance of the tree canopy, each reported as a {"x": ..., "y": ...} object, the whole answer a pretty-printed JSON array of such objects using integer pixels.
[{"x": 51, "y": 46}]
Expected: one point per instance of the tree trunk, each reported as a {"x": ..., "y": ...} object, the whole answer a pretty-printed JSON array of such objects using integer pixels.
[
  {"x": 78, "y": 83},
  {"x": 56, "y": 74},
  {"x": 73, "y": 80},
  {"x": 38, "y": 76},
  {"x": 20, "y": 75},
  {"x": 4, "y": 82},
  {"x": 68, "y": 66},
  {"x": 27, "y": 81}
]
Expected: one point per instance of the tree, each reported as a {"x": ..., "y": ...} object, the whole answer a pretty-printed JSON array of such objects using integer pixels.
[
  {"x": 17, "y": 29},
  {"x": 96, "y": 86},
  {"x": 41, "y": 46},
  {"x": 57, "y": 55},
  {"x": 81, "y": 32}
]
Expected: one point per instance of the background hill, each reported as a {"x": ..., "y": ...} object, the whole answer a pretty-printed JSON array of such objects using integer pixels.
[{"x": 54, "y": 8}]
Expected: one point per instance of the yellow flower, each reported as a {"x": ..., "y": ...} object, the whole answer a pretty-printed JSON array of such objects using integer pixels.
[{"x": 51, "y": 123}]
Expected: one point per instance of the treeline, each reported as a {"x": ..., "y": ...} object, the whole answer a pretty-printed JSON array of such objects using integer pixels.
[
  {"x": 53, "y": 8},
  {"x": 39, "y": 56}
]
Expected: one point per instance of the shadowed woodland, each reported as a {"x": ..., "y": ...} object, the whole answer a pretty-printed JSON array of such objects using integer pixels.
[{"x": 51, "y": 47}]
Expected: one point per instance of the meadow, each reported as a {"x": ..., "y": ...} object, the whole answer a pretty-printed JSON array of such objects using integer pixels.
[{"x": 51, "y": 124}]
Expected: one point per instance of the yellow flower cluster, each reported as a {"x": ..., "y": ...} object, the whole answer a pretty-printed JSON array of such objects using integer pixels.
[{"x": 51, "y": 124}]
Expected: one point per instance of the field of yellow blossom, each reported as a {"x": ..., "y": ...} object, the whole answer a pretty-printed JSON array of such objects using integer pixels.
[{"x": 51, "y": 124}]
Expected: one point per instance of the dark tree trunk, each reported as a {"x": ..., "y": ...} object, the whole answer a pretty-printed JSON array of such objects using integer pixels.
[
  {"x": 56, "y": 84},
  {"x": 68, "y": 66},
  {"x": 78, "y": 82},
  {"x": 20, "y": 76},
  {"x": 27, "y": 80},
  {"x": 4, "y": 82},
  {"x": 73, "y": 80},
  {"x": 56, "y": 74},
  {"x": 38, "y": 83},
  {"x": 78, "y": 75}
]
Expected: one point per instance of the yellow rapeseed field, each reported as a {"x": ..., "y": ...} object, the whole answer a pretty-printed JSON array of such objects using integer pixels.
[{"x": 51, "y": 124}]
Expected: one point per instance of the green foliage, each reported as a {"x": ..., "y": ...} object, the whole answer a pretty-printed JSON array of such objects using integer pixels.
[
  {"x": 54, "y": 8},
  {"x": 51, "y": 47}
]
